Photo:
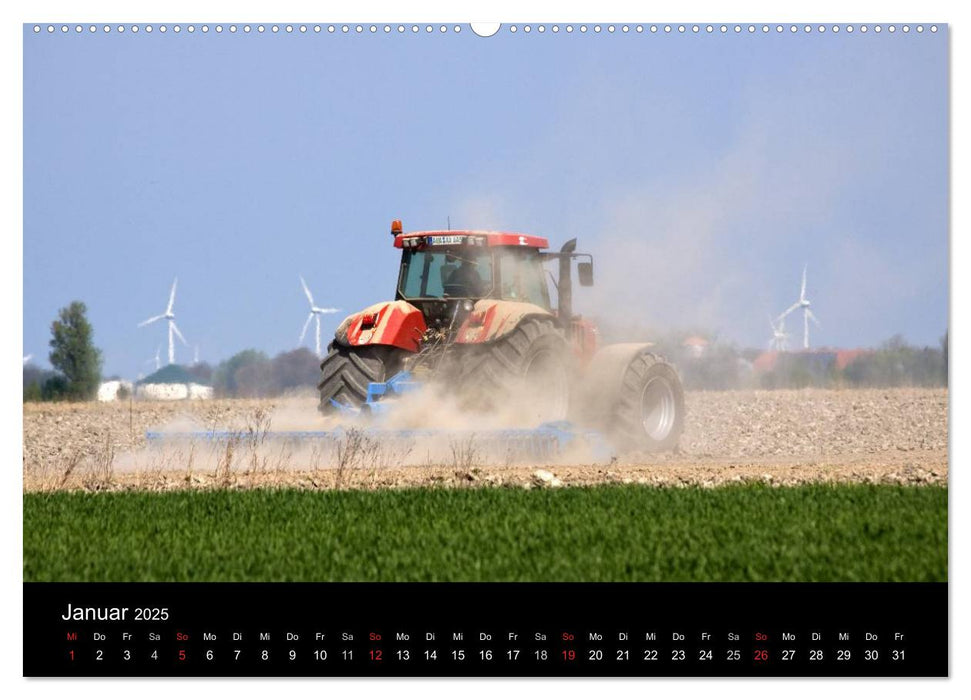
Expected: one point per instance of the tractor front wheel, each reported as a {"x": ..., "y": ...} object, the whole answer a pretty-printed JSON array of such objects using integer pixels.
[{"x": 347, "y": 371}]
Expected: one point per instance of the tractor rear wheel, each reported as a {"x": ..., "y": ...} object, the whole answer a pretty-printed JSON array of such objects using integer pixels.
[
  {"x": 347, "y": 371},
  {"x": 524, "y": 374},
  {"x": 650, "y": 411}
]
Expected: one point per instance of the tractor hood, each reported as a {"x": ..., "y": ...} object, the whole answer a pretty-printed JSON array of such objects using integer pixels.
[
  {"x": 491, "y": 319},
  {"x": 396, "y": 323}
]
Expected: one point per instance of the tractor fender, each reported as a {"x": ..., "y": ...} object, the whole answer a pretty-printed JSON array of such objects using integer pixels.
[
  {"x": 491, "y": 319},
  {"x": 396, "y": 323},
  {"x": 601, "y": 383}
]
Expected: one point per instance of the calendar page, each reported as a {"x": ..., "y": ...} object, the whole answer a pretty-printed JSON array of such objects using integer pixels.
[{"x": 513, "y": 349}]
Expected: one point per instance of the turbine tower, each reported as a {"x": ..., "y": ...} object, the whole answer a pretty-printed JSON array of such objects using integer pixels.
[
  {"x": 169, "y": 315},
  {"x": 804, "y": 304},
  {"x": 315, "y": 312},
  {"x": 780, "y": 339}
]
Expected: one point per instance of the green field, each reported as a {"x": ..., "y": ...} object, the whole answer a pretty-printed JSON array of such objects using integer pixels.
[{"x": 606, "y": 533}]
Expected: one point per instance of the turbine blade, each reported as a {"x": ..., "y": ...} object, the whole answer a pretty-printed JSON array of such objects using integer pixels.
[
  {"x": 153, "y": 319},
  {"x": 328, "y": 310},
  {"x": 306, "y": 325},
  {"x": 788, "y": 311},
  {"x": 168, "y": 309},
  {"x": 802, "y": 291},
  {"x": 179, "y": 333},
  {"x": 306, "y": 290},
  {"x": 813, "y": 317}
]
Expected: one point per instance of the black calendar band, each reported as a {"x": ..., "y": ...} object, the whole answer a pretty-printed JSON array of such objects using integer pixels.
[{"x": 485, "y": 629}]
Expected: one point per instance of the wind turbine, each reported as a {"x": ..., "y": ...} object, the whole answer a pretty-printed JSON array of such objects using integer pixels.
[
  {"x": 804, "y": 304},
  {"x": 157, "y": 359},
  {"x": 780, "y": 339},
  {"x": 169, "y": 315},
  {"x": 315, "y": 312}
]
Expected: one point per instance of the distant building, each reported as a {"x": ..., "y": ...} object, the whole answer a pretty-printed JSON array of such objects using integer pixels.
[
  {"x": 172, "y": 383},
  {"x": 845, "y": 357},
  {"x": 110, "y": 390},
  {"x": 817, "y": 362},
  {"x": 766, "y": 361},
  {"x": 695, "y": 345}
]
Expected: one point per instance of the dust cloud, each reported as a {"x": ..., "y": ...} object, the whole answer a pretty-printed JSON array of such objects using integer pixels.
[{"x": 425, "y": 427}]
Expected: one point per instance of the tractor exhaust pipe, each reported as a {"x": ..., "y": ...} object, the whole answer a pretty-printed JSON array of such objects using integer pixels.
[{"x": 564, "y": 284}]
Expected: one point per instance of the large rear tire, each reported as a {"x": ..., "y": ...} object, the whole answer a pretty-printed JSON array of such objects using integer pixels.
[
  {"x": 649, "y": 415},
  {"x": 524, "y": 375},
  {"x": 633, "y": 397},
  {"x": 347, "y": 371}
]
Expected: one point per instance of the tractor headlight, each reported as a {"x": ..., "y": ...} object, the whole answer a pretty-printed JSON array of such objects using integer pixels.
[{"x": 468, "y": 305}]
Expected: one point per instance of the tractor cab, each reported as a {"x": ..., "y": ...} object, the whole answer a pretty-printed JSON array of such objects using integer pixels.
[
  {"x": 472, "y": 265},
  {"x": 445, "y": 271},
  {"x": 440, "y": 267}
]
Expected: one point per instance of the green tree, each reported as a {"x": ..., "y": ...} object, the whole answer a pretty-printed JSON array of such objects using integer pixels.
[
  {"x": 225, "y": 377},
  {"x": 73, "y": 352},
  {"x": 55, "y": 388},
  {"x": 296, "y": 369},
  {"x": 34, "y": 380},
  {"x": 32, "y": 392}
]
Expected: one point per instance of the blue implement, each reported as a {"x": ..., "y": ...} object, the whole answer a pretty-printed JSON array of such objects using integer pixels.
[{"x": 546, "y": 441}]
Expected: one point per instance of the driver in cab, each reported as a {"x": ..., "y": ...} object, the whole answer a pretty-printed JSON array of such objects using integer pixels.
[{"x": 465, "y": 281}]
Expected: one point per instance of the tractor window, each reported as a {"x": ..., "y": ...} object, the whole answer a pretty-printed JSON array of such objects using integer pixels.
[
  {"x": 458, "y": 272},
  {"x": 522, "y": 277}
]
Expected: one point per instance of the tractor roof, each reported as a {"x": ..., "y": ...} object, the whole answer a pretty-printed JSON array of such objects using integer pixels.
[{"x": 489, "y": 238}]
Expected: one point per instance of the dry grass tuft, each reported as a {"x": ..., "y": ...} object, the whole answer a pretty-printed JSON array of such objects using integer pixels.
[{"x": 465, "y": 453}]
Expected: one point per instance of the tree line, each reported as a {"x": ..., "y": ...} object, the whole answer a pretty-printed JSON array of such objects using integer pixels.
[
  {"x": 77, "y": 367},
  {"x": 894, "y": 363},
  {"x": 252, "y": 373}
]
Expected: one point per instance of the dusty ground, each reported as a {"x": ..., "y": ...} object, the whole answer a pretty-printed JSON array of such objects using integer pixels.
[{"x": 781, "y": 437}]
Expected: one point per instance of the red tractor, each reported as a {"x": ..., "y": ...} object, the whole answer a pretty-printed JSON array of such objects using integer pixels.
[{"x": 472, "y": 311}]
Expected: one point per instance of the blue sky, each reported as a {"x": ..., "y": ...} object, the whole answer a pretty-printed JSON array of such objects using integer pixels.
[{"x": 702, "y": 171}]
